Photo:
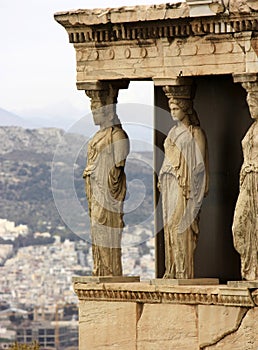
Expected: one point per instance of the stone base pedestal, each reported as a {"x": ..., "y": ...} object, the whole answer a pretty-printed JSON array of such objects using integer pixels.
[
  {"x": 185, "y": 281},
  {"x": 106, "y": 279},
  {"x": 243, "y": 284},
  {"x": 146, "y": 316}
]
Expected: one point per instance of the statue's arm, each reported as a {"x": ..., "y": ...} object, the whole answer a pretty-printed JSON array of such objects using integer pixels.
[
  {"x": 201, "y": 141},
  {"x": 87, "y": 187},
  {"x": 116, "y": 178},
  {"x": 121, "y": 147}
]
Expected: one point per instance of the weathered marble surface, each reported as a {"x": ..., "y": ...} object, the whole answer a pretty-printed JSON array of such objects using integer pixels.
[
  {"x": 105, "y": 183},
  {"x": 107, "y": 325},
  {"x": 183, "y": 182},
  {"x": 159, "y": 41},
  {"x": 122, "y": 14},
  {"x": 160, "y": 327},
  {"x": 154, "y": 12},
  {"x": 144, "y": 292},
  {"x": 185, "y": 282},
  {"x": 245, "y": 224},
  {"x": 245, "y": 337},
  {"x": 142, "y": 316},
  {"x": 241, "y": 6},
  {"x": 215, "y": 322}
]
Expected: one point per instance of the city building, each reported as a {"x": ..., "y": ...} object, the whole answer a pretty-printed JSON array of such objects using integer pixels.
[{"x": 49, "y": 335}]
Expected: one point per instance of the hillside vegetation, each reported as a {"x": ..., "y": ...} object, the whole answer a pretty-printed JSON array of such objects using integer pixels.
[{"x": 26, "y": 160}]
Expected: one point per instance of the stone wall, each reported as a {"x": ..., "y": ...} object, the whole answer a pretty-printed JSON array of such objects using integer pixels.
[{"x": 148, "y": 317}]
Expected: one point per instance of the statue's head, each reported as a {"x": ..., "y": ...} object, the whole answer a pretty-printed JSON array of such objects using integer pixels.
[
  {"x": 252, "y": 100},
  {"x": 178, "y": 110},
  {"x": 103, "y": 107},
  {"x": 182, "y": 95},
  {"x": 186, "y": 105},
  {"x": 102, "y": 114},
  {"x": 183, "y": 108}
]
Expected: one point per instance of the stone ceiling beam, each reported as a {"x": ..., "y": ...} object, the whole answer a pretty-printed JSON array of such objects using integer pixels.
[{"x": 192, "y": 38}]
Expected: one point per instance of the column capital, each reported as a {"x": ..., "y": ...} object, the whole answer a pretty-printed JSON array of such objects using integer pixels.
[
  {"x": 245, "y": 78},
  {"x": 103, "y": 84},
  {"x": 173, "y": 81},
  {"x": 103, "y": 92},
  {"x": 103, "y": 95},
  {"x": 178, "y": 88},
  {"x": 249, "y": 81},
  {"x": 250, "y": 84}
]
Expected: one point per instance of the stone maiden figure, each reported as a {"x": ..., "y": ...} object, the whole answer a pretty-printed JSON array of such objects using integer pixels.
[
  {"x": 245, "y": 223},
  {"x": 183, "y": 181},
  {"x": 105, "y": 186}
]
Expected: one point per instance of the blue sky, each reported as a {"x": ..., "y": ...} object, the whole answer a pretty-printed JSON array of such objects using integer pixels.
[{"x": 37, "y": 63}]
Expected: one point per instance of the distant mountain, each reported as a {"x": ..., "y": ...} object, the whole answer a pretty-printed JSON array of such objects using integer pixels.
[
  {"x": 28, "y": 160},
  {"x": 13, "y": 138},
  {"x": 62, "y": 114},
  {"x": 39, "y": 118},
  {"x": 73, "y": 121},
  {"x": 9, "y": 119}
]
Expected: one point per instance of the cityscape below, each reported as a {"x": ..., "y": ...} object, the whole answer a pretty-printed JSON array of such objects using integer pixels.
[{"x": 37, "y": 302}]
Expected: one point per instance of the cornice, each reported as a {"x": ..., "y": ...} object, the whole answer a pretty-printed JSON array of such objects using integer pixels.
[
  {"x": 161, "y": 41},
  {"x": 145, "y": 293},
  {"x": 125, "y": 14},
  {"x": 158, "y": 12},
  {"x": 157, "y": 21},
  {"x": 176, "y": 28}
]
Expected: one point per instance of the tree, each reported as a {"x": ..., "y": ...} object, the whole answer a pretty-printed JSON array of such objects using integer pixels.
[{"x": 18, "y": 346}]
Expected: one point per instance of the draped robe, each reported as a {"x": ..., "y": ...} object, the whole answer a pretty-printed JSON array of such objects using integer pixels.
[
  {"x": 183, "y": 181},
  {"x": 105, "y": 186},
  {"x": 245, "y": 223}
]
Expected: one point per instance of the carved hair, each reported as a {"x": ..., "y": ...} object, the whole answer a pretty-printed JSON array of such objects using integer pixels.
[
  {"x": 187, "y": 107},
  {"x": 185, "y": 104},
  {"x": 194, "y": 118},
  {"x": 252, "y": 95}
]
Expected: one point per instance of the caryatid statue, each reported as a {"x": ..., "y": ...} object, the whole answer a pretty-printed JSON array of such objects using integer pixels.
[
  {"x": 245, "y": 223},
  {"x": 105, "y": 183},
  {"x": 183, "y": 182}
]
